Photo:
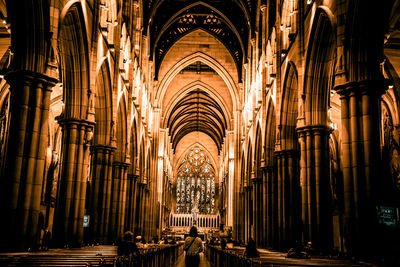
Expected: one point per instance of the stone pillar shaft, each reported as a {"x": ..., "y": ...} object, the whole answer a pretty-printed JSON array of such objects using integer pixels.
[
  {"x": 25, "y": 158},
  {"x": 289, "y": 197},
  {"x": 267, "y": 206},
  {"x": 256, "y": 209},
  {"x": 118, "y": 197},
  {"x": 72, "y": 194},
  {"x": 273, "y": 199},
  {"x": 314, "y": 176},
  {"x": 130, "y": 203},
  {"x": 102, "y": 157},
  {"x": 361, "y": 152}
]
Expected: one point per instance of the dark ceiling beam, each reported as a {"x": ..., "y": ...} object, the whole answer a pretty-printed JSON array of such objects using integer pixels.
[
  {"x": 204, "y": 122},
  {"x": 233, "y": 31},
  {"x": 194, "y": 113},
  {"x": 188, "y": 130}
]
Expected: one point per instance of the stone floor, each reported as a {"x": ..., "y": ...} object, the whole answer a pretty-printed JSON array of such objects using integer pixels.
[
  {"x": 93, "y": 256},
  {"x": 203, "y": 261},
  {"x": 275, "y": 258}
]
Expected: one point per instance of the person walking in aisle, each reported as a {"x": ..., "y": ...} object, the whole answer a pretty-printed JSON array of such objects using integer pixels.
[{"x": 193, "y": 246}]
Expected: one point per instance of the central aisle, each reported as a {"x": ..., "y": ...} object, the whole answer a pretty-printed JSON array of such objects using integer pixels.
[{"x": 203, "y": 261}]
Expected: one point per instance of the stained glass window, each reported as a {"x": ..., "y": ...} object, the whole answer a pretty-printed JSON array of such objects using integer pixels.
[{"x": 195, "y": 183}]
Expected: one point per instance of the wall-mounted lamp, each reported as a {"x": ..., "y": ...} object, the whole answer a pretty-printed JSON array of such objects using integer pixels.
[
  {"x": 89, "y": 135},
  {"x": 309, "y": 2},
  {"x": 283, "y": 53},
  {"x": 104, "y": 31}
]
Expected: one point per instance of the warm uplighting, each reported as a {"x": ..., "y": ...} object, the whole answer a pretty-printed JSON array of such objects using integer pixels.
[
  {"x": 49, "y": 152},
  {"x": 333, "y": 125}
]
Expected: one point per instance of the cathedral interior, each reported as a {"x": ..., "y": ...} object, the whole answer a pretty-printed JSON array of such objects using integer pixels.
[{"x": 275, "y": 121}]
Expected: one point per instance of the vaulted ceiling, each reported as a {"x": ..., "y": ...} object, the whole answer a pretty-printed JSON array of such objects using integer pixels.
[
  {"x": 226, "y": 26},
  {"x": 228, "y": 20},
  {"x": 197, "y": 111}
]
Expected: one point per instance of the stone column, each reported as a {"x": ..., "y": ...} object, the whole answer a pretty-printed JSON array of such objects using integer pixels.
[
  {"x": 273, "y": 206},
  {"x": 247, "y": 212},
  {"x": 145, "y": 213},
  {"x": 118, "y": 196},
  {"x": 289, "y": 198},
  {"x": 314, "y": 179},
  {"x": 264, "y": 203},
  {"x": 72, "y": 194},
  {"x": 360, "y": 106},
  {"x": 280, "y": 195},
  {"x": 130, "y": 202},
  {"x": 25, "y": 158},
  {"x": 138, "y": 208},
  {"x": 102, "y": 158},
  {"x": 256, "y": 207},
  {"x": 241, "y": 215}
]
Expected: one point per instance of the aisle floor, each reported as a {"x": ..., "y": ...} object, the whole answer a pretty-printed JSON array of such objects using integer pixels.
[{"x": 203, "y": 261}]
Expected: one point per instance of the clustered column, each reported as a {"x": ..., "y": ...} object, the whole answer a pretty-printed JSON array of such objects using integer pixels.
[
  {"x": 248, "y": 211},
  {"x": 74, "y": 176},
  {"x": 267, "y": 173},
  {"x": 102, "y": 158},
  {"x": 361, "y": 151},
  {"x": 288, "y": 198},
  {"x": 119, "y": 184},
  {"x": 315, "y": 188},
  {"x": 25, "y": 158},
  {"x": 257, "y": 212},
  {"x": 130, "y": 202}
]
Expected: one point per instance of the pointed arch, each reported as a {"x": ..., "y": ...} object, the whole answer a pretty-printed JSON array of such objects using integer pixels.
[
  {"x": 258, "y": 152},
  {"x": 134, "y": 147},
  {"x": 142, "y": 162},
  {"x": 320, "y": 62},
  {"x": 121, "y": 131},
  {"x": 103, "y": 106},
  {"x": 289, "y": 109},
  {"x": 191, "y": 59},
  {"x": 73, "y": 44},
  {"x": 204, "y": 87},
  {"x": 202, "y": 147},
  {"x": 249, "y": 161},
  {"x": 270, "y": 133}
]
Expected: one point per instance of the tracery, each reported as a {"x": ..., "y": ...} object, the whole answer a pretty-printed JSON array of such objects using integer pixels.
[{"x": 195, "y": 183}]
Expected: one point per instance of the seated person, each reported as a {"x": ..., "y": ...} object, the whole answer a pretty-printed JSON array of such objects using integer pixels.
[
  {"x": 127, "y": 247},
  {"x": 223, "y": 243},
  {"x": 251, "y": 249},
  {"x": 297, "y": 252}
]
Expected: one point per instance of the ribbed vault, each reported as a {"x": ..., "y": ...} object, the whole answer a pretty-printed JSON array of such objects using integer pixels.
[
  {"x": 197, "y": 111},
  {"x": 171, "y": 20}
]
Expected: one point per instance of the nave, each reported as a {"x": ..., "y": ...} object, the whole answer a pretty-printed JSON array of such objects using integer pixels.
[
  {"x": 274, "y": 123},
  {"x": 181, "y": 261},
  {"x": 103, "y": 256}
]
